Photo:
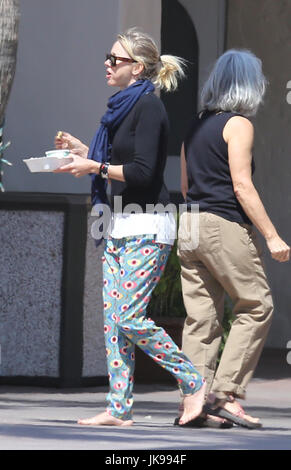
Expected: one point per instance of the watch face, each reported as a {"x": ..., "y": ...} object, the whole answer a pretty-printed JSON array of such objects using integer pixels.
[{"x": 104, "y": 170}]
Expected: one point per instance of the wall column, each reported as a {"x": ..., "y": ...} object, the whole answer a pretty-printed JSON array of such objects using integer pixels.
[{"x": 143, "y": 14}]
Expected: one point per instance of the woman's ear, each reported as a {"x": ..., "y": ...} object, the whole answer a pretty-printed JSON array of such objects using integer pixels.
[{"x": 137, "y": 69}]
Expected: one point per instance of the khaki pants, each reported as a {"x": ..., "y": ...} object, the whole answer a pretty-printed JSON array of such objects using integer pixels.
[{"x": 227, "y": 259}]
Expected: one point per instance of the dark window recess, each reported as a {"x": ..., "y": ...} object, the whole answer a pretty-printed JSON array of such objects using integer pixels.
[{"x": 178, "y": 37}]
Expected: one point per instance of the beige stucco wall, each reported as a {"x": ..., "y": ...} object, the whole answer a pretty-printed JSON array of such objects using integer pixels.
[{"x": 143, "y": 14}]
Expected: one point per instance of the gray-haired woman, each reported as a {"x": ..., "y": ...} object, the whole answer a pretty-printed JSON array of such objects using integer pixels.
[{"x": 217, "y": 167}]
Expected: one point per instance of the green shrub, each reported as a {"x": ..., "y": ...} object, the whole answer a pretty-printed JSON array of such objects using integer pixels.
[{"x": 167, "y": 299}]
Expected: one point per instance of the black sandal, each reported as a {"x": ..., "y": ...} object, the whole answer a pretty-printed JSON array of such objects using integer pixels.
[
  {"x": 204, "y": 422},
  {"x": 235, "y": 418}
]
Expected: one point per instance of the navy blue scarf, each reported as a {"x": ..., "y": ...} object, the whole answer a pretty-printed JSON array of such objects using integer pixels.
[{"x": 118, "y": 107}]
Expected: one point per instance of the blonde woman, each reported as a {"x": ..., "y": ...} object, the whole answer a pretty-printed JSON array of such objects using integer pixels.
[{"x": 130, "y": 149}]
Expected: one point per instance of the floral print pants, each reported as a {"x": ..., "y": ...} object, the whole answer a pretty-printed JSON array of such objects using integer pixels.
[{"x": 132, "y": 267}]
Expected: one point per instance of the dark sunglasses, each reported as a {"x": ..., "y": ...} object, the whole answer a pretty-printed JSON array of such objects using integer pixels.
[{"x": 114, "y": 58}]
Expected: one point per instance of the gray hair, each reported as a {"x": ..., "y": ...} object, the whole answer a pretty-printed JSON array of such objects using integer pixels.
[{"x": 235, "y": 84}]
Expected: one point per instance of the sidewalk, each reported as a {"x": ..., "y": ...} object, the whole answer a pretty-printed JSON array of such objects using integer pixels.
[{"x": 45, "y": 419}]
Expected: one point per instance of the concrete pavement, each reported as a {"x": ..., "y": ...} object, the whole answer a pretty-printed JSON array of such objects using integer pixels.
[{"x": 45, "y": 419}]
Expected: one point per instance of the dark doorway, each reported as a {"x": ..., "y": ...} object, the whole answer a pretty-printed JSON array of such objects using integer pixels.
[{"x": 178, "y": 37}]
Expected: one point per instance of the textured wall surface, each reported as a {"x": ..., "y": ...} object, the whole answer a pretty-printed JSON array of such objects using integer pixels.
[
  {"x": 30, "y": 296},
  {"x": 264, "y": 27},
  {"x": 94, "y": 358}
]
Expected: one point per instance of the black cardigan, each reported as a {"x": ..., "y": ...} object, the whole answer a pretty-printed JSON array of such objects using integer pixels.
[{"x": 140, "y": 145}]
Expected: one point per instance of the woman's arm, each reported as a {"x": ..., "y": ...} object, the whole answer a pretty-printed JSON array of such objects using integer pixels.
[
  {"x": 80, "y": 167},
  {"x": 138, "y": 173},
  {"x": 238, "y": 133},
  {"x": 184, "y": 177}
]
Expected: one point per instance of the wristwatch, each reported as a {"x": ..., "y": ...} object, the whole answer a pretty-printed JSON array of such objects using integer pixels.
[{"x": 104, "y": 170}]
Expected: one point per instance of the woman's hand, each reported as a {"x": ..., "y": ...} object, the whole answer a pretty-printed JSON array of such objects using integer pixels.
[
  {"x": 279, "y": 250},
  {"x": 80, "y": 166},
  {"x": 64, "y": 140}
]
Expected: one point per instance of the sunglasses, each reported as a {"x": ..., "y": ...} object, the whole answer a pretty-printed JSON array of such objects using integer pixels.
[{"x": 114, "y": 58}]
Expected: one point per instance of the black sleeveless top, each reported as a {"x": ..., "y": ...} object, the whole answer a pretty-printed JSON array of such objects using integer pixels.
[{"x": 209, "y": 180}]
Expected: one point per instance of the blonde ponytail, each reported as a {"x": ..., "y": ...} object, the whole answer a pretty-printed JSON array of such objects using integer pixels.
[
  {"x": 164, "y": 71},
  {"x": 171, "y": 71}
]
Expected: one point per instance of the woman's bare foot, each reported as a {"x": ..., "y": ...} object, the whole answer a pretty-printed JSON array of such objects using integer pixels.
[
  {"x": 104, "y": 419},
  {"x": 235, "y": 408},
  {"x": 203, "y": 415},
  {"x": 193, "y": 405}
]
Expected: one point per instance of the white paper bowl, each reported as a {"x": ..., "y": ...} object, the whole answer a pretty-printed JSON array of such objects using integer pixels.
[{"x": 46, "y": 164}]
